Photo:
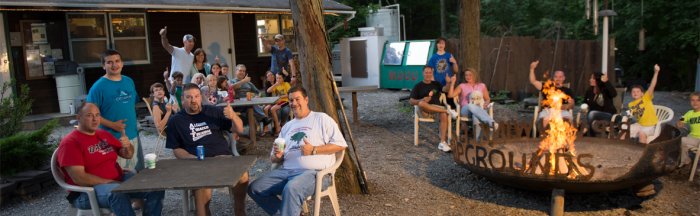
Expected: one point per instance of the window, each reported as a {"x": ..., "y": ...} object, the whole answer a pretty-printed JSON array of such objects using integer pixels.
[
  {"x": 88, "y": 37},
  {"x": 129, "y": 37},
  {"x": 394, "y": 53},
  {"x": 268, "y": 25},
  {"x": 91, "y": 33},
  {"x": 418, "y": 53}
]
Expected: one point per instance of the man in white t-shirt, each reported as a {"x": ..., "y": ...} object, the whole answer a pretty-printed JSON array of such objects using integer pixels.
[
  {"x": 182, "y": 57},
  {"x": 311, "y": 141}
]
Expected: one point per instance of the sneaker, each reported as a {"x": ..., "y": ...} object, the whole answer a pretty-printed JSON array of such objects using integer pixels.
[
  {"x": 452, "y": 113},
  {"x": 444, "y": 147}
]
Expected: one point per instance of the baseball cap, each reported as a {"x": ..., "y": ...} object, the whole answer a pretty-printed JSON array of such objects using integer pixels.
[
  {"x": 188, "y": 37},
  {"x": 279, "y": 37}
]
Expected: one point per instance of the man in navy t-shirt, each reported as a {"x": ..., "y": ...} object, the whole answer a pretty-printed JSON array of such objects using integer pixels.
[
  {"x": 426, "y": 95},
  {"x": 204, "y": 125}
]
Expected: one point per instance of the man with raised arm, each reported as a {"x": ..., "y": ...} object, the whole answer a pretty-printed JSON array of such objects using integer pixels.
[
  {"x": 558, "y": 80},
  {"x": 182, "y": 57}
]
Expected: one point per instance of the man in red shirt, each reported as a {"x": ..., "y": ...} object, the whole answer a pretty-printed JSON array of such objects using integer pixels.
[{"x": 88, "y": 157}]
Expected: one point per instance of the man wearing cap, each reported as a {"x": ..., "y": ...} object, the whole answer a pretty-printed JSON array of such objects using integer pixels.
[
  {"x": 282, "y": 59},
  {"x": 182, "y": 57}
]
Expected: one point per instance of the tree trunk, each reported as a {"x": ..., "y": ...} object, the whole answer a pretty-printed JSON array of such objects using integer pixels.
[
  {"x": 315, "y": 66},
  {"x": 469, "y": 34}
]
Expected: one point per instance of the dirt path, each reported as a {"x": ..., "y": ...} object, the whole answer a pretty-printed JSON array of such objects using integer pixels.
[{"x": 421, "y": 180}]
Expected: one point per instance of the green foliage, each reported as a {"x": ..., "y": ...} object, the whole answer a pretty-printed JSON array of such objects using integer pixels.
[
  {"x": 672, "y": 41},
  {"x": 406, "y": 108},
  {"x": 13, "y": 108},
  {"x": 26, "y": 150},
  {"x": 350, "y": 30},
  {"x": 500, "y": 95},
  {"x": 535, "y": 18}
]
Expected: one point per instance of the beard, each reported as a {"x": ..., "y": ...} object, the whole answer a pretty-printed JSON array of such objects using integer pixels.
[{"x": 193, "y": 108}]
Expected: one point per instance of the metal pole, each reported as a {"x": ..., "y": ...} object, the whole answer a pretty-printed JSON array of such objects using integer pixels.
[
  {"x": 557, "y": 208},
  {"x": 605, "y": 48}
]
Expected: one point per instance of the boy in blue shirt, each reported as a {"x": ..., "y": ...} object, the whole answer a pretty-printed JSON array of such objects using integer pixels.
[
  {"x": 444, "y": 63},
  {"x": 115, "y": 96}
]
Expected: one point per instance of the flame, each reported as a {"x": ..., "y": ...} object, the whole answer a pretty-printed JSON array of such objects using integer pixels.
[{"x": 561, "y": 134}]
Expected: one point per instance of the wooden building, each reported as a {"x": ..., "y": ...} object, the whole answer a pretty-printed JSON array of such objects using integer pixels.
[{"x": 33, "y": 34}]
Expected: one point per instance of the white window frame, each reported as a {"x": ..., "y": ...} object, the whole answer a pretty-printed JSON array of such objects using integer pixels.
[
  {"x": 71, "y": 40},
  {"x": 109, "y": 38},
  {"x": 145, "y": 36}
]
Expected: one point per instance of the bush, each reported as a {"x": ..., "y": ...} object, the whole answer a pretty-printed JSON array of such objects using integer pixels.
[
  {"x": 26, "y": 150},
  {"x": 13, "y": 109}
]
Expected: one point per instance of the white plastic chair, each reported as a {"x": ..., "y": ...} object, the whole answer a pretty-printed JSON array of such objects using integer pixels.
[
  {"x": 466, "y": 119},
  {"x": 665, "y": 115},
  {"x": 329, "y": 191},
  {"x": 58, "y": 177},
  {"x": 695, "y": 161},
  {"x": 160, "y": 142},
  {"x": 418, "y": 118}
]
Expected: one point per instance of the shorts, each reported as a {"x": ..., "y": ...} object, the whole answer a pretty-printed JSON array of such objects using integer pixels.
[
  {"x": 565, "y": 114},
  {"x": 636, "y": 128}
]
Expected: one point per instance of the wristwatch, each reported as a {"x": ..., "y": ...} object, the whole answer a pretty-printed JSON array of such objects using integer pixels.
[{"x": 313, "y": 152}]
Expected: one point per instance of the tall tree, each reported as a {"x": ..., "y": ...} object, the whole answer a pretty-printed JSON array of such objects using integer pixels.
[
  {"x": 469, "y": 34},
  {"x": 315, "y": 66}
]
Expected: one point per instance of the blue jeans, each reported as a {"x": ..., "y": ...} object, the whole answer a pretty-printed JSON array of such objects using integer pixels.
[
  {"x": 293, "y": 186},
  {"x": 595, "y": 115},
  {"x": 479, "y": 114},
  {"x": 120, "y": 203}
]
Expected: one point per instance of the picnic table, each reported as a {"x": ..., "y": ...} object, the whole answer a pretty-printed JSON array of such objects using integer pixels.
[
  {"x": 188, "y": 174},
  {"x": 354, "y": 90},
  {"x": 252, "y": 123}
]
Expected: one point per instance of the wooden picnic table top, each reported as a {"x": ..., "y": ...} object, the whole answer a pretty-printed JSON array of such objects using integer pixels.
[
  {"x": 357, "y": 88},
  {"x": 254, "y": 101},
  {"x": 182, "y": 174}
]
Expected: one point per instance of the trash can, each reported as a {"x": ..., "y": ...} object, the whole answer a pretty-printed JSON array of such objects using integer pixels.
[{"x": 69, "y": 85}]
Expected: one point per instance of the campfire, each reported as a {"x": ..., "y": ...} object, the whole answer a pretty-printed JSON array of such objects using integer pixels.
[{"x": 559, "y": 137}]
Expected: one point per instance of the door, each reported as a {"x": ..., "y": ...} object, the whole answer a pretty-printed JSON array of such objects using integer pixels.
[
  {"x": 4, "y": 58},
  {"x": 217, "y": 38},
  {"x": 358, "y": 59}
]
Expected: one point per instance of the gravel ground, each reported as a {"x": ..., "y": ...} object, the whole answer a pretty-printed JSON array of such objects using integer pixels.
[{"x": 420, "y": 180}]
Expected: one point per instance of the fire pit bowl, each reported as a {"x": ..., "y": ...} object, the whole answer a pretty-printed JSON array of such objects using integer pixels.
[{"x": 598, "y": 164}]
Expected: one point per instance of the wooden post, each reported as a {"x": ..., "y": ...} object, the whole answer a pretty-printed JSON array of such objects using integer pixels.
[
  {"x": 557, "y": 202},
  {"x": 355, "y": 118},
  {"x": 315, "y": 66}
]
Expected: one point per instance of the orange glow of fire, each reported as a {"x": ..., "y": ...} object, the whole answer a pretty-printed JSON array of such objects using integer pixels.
[{"x": 561, "y": 134}]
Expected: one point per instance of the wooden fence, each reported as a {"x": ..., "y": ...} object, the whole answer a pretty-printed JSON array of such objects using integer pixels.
[{"x": 505, "y": 65}]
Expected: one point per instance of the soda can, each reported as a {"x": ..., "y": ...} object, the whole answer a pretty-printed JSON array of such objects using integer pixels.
[{"x": 200, "y": 152}]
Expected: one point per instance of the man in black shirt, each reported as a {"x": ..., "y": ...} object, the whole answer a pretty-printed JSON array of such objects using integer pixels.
[
  {"x": 558, "y": 80},
  {"x": 426, "y": 95},
  {"x": 204, "y": 125}
]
